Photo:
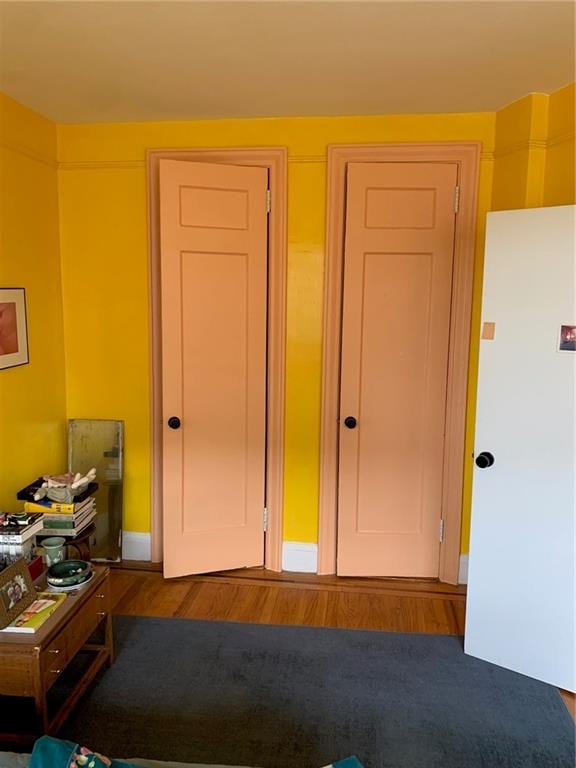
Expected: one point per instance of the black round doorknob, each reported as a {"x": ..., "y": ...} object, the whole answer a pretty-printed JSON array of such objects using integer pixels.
[
  {"x": 484, "y": 460},
  {"x": 174, "y": 422},
  {"x": 350, "y": 422}
]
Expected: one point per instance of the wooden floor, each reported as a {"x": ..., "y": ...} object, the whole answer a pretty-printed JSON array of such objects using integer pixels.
[
  {"x": 267, "y": 598},
  {"x": 263, "y": 597}
]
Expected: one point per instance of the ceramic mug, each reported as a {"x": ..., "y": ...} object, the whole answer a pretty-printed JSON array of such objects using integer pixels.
[{"x": 54, "y": 550}]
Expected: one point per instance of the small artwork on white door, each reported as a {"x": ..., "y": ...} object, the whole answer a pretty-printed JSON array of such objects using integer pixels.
[
  {"x": 398, "y": 265},
  {"x": 213, "y": 238},
  {"x": 567, "y": 341}
]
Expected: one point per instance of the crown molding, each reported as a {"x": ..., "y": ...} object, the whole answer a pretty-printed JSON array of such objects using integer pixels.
[
  {"x": 91, "y": 165},
  {"x": 486, "y": 155}
]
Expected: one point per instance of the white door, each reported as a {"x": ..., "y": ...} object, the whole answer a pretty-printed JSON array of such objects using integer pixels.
[{"x": 520, "y": 612}]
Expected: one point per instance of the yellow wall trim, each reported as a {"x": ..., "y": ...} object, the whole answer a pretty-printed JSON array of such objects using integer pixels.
[
  {"x": 562, "y": 138},
  {"x": 91, "y": 165},
  {"x": 307, "y": 158},
  {"x": 21, "y": 150},
  {"x": 521, "y": 146},
  {"x": 96, "y": 165}
]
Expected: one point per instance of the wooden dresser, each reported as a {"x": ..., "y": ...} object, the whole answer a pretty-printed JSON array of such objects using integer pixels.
[{"x": 30, "y": 664}]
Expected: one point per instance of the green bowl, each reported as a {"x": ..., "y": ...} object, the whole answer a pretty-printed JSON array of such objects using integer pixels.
[
  {"x": 68, "y": 572},
  {"x": 78, "y": 583}
]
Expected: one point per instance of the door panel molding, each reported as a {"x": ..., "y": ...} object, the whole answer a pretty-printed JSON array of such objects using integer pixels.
[
  {"x": 275, "y": 160},
  {"x": 466, "y": 155}
]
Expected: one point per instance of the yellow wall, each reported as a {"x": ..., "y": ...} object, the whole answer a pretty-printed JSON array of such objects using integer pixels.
[
  {"x": 520, "y": 153},
  {"x": 534, "y": 152},
  {"x": 103, "y": 226},
  {"x": 559, "y": 184},
  {"x": 527, "y": 150},
  {"x": 32, "y": 397}
]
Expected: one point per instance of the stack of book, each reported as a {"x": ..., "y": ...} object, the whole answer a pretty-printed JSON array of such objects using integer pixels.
[
  {"x": 18, "y": 535},
  {"x": 67, "y": 520}
]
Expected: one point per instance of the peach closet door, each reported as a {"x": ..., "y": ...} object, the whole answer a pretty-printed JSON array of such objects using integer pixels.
[
  {"x": 397, "y": 291},
  {"x": 213, "y": 230}
]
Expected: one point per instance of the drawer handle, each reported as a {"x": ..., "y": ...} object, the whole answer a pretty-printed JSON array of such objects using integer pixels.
[
  {"x": 101, "y": 613},
  {"x": 55, "y": 671},
  {"x": 101, "y": 597},
  {"x": 54, "y": 650}
]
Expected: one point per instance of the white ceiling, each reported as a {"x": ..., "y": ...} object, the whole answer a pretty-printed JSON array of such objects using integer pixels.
[{"x": 124, "y": 61}]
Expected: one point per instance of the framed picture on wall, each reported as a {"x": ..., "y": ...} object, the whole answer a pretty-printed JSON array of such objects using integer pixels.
[{"x": 13, "y": 331}]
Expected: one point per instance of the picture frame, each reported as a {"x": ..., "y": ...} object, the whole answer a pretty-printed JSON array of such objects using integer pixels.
[
  {"x": 567, "y": 338},
  {"x": 13, "y": 328},
  {"x": 16, "y": 591}
]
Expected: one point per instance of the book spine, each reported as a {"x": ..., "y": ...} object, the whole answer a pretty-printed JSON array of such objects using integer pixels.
[
  {"x": 12, "y": 539},
  {"x": 67, "y": 531},
  {"x": 20, "y": 549},
  {"x": 55, "y": 508},
  {"x": 69, "y": 522},
  {"x": 24, "y": 535},
  {"x": 62, "y": 509},
  {"x": 78, "y": 515},
  {"x": 53, "y": 522}
]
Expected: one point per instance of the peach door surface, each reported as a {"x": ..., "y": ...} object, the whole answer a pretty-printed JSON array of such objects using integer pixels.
[
  {"x": 395, "y": 334},
  {"x": 213, "y": 235}
]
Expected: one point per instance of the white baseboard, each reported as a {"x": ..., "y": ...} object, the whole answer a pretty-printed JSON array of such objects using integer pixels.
[
  {"x": 299, "y": 557},
  {"x": 136, "y": 546},
  {"x": 463, "y": 570}
]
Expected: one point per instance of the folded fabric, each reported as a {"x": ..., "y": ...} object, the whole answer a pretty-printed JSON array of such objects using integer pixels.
[{"x": 49, "y": 752}]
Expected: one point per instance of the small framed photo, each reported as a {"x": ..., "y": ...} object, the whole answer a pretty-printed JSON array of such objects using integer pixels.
[
  {"x": 16, "y": 591},
  {"x": 567, "y": 341},
  {"x": 13, "y": 331}
]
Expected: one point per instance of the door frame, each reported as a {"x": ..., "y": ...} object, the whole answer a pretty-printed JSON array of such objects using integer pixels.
[
  {"x": 275, "y": 160},
  {"x": 467, "y": 156}
]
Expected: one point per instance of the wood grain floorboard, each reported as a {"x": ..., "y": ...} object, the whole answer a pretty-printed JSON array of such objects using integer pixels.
[
  {"x": 210, "y": 602},
  {"x": 257, "y": 576},
  {"x": 570, "y": 701},
  {"x": 419, "y": 608},
  {"x": 459, "y": 611},
  {"x": 337, "y": 584}
]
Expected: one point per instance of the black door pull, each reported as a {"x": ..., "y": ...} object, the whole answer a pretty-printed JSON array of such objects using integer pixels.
[
  {"x": 350, "y": 422},
  {"x": 484, "y": 460},
  {"x": 174, "y": 422}
]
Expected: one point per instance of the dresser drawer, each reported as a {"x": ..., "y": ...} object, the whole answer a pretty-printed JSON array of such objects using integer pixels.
[
  {"x": 17, "y": 678},
  {"x": 75, "y": 634},
  {"x": 54, "y": 658},
  {"x": 87, "y": 619}
]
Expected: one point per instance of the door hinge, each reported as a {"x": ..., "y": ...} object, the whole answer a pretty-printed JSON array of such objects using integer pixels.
[
  {"x": 441, "y": 531},
  {"x": 268, "y": 201},
  {"x": 456, "y": 199},
  {"x": 265, "y": 519}
]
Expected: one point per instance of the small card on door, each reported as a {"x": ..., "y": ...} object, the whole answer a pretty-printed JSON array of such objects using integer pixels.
[{"x": 488, "y": 330}]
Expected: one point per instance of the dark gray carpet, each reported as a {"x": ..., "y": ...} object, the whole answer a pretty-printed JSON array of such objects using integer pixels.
[{"x": 300, "y": 697}]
